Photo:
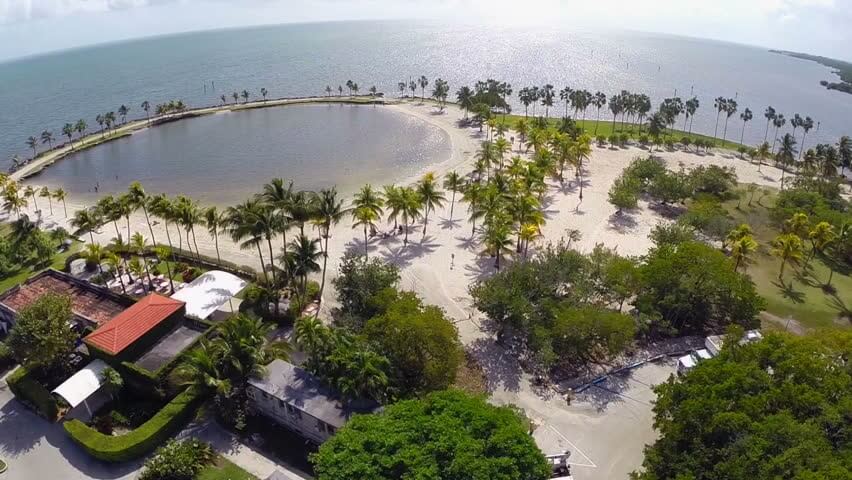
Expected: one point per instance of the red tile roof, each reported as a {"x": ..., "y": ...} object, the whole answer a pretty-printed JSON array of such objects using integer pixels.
[
  {"x": 131, "y": 324},
  {"x": 93, "y": 303}
]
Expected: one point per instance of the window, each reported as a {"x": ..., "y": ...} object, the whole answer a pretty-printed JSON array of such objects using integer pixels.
[{"x": 321, "y": 426}]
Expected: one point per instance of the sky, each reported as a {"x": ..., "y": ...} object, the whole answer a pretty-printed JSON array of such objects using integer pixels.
[{"x": 822, "y": 27}]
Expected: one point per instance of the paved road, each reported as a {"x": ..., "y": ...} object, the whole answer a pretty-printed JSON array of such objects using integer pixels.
[{"x": 38, "y": 450}]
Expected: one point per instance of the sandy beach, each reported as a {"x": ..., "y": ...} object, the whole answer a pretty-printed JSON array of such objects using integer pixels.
[{"x": 442, "y": 264}]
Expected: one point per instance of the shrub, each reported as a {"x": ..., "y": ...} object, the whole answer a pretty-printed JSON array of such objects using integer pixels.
[
  {"x": 613, "y": 139},
  {"x": 140, "y": 441},
  {"x": 644, "y": 140},
  {"x": 312, "y": 290},
  {"x": 359, "y": 280},
  {"x": 178, "y": 460},
  {"x": 6, "y": 357},
  {"x": 32, "y": 394},
  {"x": 623, "y": 139},
  {"x": 601, "y": 141}
]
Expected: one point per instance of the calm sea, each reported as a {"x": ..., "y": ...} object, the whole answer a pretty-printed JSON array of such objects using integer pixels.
[{"x": 296, "y": 60}]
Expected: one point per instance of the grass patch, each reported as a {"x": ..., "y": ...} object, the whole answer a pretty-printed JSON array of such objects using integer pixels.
[
  {"x": 224, "y": 469},
  {"x": 470, "y": 377},
  {"x": 607, "y": 127},
  {"x": 57, "y": 263},
  {"x": 801, "y": 295}
]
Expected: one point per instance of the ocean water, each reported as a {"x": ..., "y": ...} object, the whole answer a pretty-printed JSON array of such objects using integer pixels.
[
  {"x": 224, "y": 158},
  {"x": 297, "y": 60}
]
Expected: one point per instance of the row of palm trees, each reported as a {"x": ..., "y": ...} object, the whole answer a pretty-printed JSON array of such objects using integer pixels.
[{"x": 16, "y": 198}]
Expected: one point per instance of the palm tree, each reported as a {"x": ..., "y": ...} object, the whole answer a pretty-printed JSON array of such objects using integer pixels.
[
  {"x": 122, "y": 112},
  {"x": 45, "y": 192},
  {"x": 581, "y": 150},
  {"x": 454, "y": 183},
  {"x": 770, "y": 115},
  {"x": 497, "y": 239},
  {"x": 115, "y": 265},
  {"x": 236, "y": 97},
  {"x": 424, "y": 82},
  {"x": 245, "y": 96},
  {"x": 464, "y": 97},
  {"x": 29, "y": 191},
  {"x": 410, "y": 204},
  {"x": 32, "y": 142},
  {"x": 163, "y": 254},
  {"x": 68, "y": 131},
  {"x": 762, "y": 153},
  {"x": 301, "y": 208},
  {"x": 94, "y": 253},
  {"x": 147, "y": 107},
  {"x": 807, "y": 124},
  {"x": 720, "y": 103},
  {"x": 821, "y": 236},
  {"x": 99, "y": 119},
  {"x": 59, "y": 195},
  {"x": 786, "y": 154},
  {"x": 779, "y": 122},
  {"x": 746, "y": 117},
  {"x": 301, "y": 259},
  {"x": 224, "y": 99},
  {"x": 47, "y": 137},
  {"x": 243, "y": 349},
  {"x": 137, "y": 242},
  {"x": 162, "y": 208},
  {"x": 139, "y": 199},
  {"x": 788, "y": 248},
  {"x": 430, "y": 197},
  {"x": 598, "y": 101},
  {"x": 279, "y": 194},
  {"x": 473, "y": 194},
  {"x": 547, "y": 95},
  {"x": 81, "y": 126},
  {"x": 329, "y": 212},
  {"x": 844, "y": 150},
  {"x": 730, "y": 110},
  {"x": 364, "y": 217},
  {"x": 741, "y": 250},
  {"x": 244, "y": 228},
  {"x": 328, "y": 90},
  {"x": 200, "y": 370},
  {"x": 339, "y": 90},
  {"x": 264, "y": 92},
  {"x": 215, "y": 221},
  {"x": 188, "y": 216}
]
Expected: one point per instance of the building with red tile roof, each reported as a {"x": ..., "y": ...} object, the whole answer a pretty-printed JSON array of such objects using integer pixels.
[{"x": 154, "y": 313}]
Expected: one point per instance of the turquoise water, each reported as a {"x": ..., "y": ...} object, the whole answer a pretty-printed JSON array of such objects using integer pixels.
[{"x": 297, "y": 60}]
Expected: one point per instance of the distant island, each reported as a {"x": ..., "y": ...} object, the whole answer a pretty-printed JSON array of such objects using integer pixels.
[{"x": 842, "y": 69}]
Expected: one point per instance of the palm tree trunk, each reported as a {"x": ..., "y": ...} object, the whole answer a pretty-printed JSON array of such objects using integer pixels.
[
  {"x": 91, "y": 236},
  {"x": 128, "y": 227},
  {"x": 117, "y": 234},
  {"x": 425, "y": 221},
  {"x": 262, "y": 263},
  {"x": 366, "y": 250},
  {"x": 169, "y": 271},
  {"x": 216, "y": 243},
  {"x": 452, "y": 205},
  {"x": 766, "y": 133},
  {"x": 147, "y": 273},
  {"x": 150, "y": 228},
  {"x": 65, "y": 208},
  {"x": 271, "y": 257},
  {"x": 197, "y": 253},
  {"x": 742, "y": 134},
  {"x": 324, "y": 265},
  {"x": 716, "y": 130}
]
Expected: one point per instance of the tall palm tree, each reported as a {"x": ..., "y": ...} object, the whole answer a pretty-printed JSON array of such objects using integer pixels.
[
  {"x": 215, "y": 221},
  {"x": 720, "y": 103},
  {"x": 497, "y": 239},
  {"x": 139, "y": 199},
  {"x": 243, "y": 227},
  {"x": 547, "y": 95},
  {"x": 807, "y": 124},
  {"x": 430, "y": 197},
  {"x": 188, "y": 216},
  {"x": 59, "y": 195},
  {"x": 245, "y": 96},
  {"x": 32, "y": 142},
  {"x": 147, "y": 107},
  {"x": 224, "y": 99},
  {"x": 137, "y": 242},
  {"x": 328, "y": 90},
  {"x": 47, "y": 137},
  {"x": 94, "y": 253},
  {"x": 329, "y": 212},
  {"x": 161, "y": 207},
  {"x": 201, "y": 370},
  {"x": 770, "y": 115},
  {"x": 163, "y": 254},
  {"x": 778, "y": 122},
  {"x": 423, "y": 82},
  {"x": 746, "y": 117},
  {"x": 122, "y": 112},
  {"x": 301, "y": 258},
  {"x": 279, "y": 194},
  {"x": 29, "y": 191},
  {"x": 68, "y": 131},
  {"x": 366, "y": 218},
  {"x": 301, "y": 208},
  {"x": 788, "y": 248},
  {"x": 236, "y": 97},
  {"x": 821, "y": 236},
  {"x": 464, "y": 97},
  {"x": 454, "y": 183},
  {"x": 264, "y": 92},
  {"x": 115, "y": 265},
  {"x": 730, "y": 110},
  {"x": 109, "y": 211},
  {"x": 762, "y": 153},
  {"x": 45, "y": 192},
  {"x": 581, "y": 150},
  {"x": 410, "y": 205},
  {"x": 786, "y": 154},
  {"x": 473, "y": 194}
]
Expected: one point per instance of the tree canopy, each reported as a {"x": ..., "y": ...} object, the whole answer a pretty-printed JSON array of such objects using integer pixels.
[
  {"x": 448, "y": 435},
  {"x": 43, "y": 336},
  {"x": 360, "y": 280},
  {"x": 777, "y": 408}
]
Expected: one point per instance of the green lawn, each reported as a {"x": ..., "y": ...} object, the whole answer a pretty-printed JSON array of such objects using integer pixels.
[
  {"x": 801, "y": 295},
  {"x": 57, "y": 263},
  {"x": 223, "y": 469},
  {"x": 605, "y": 128}
]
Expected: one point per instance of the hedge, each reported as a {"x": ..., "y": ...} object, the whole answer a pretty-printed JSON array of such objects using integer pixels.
[
  {"x": 32, "y": 394},
  {"x": 140, "y": 441}
]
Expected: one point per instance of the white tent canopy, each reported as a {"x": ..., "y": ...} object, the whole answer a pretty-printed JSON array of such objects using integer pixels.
[
  {"x": 82, "y": 384},
  {"x": 207, "y": 293}
]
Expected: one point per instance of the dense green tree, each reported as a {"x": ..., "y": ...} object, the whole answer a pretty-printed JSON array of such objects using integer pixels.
[
  {"x": 43, "y": 336},
  {"x": 359, "y": 280},
  {"x": 421, "y": 343},
  {"x": 777, "y": 408},
  {"x": 692, "y": 287},
  {"x": 590, "y": 334},
  {"x": 447, "y": 435}
]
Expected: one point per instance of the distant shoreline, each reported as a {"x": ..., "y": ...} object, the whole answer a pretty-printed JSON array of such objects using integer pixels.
[
  {"x": 49, "y": 157},
  {"x": 841, "y": 68}
]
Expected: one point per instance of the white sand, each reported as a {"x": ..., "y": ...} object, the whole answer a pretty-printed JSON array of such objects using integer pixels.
[{"x": 427, "y": 262}]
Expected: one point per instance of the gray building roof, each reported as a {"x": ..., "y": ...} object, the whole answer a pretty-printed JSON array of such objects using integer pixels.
[{"x": 299, "y": 388}]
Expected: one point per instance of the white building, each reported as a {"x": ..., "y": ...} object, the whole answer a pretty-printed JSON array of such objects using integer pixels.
[
  {"x": 299, "y": 401},
  {"x": 712, "y": 347},
  {"x": 211, "y": 292}
]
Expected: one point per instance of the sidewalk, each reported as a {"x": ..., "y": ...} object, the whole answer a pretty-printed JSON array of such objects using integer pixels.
[{"x": 244, "y": 456}]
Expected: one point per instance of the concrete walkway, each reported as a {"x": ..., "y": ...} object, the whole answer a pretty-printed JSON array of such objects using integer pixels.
[{"x": 244, "y": 456}]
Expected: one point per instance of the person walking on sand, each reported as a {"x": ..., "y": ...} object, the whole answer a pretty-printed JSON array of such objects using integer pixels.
[{"x": 452, "y": 260}]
